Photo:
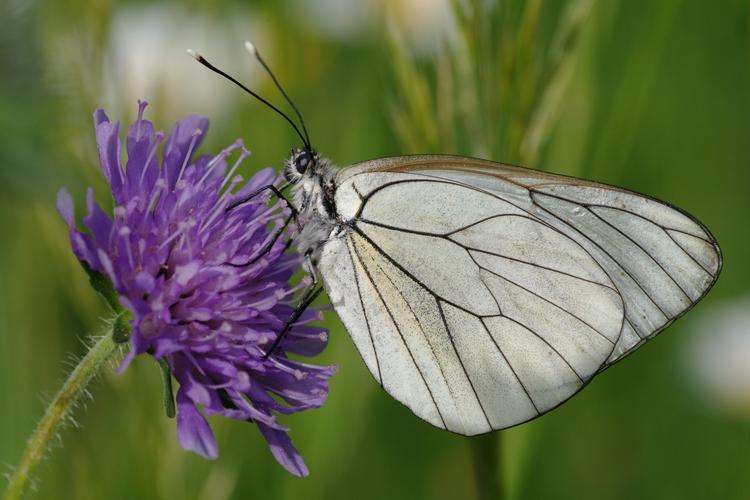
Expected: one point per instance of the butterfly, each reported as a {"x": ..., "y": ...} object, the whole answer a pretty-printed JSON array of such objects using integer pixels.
[{"x": 482, "y": 295}]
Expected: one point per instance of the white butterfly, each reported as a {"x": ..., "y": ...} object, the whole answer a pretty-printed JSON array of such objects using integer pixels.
[{"x": 482, "y": 295}]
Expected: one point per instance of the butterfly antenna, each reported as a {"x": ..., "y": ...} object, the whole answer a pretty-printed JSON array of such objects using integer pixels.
[
  {"x": 216, "y": 70},
  {"x": 251, "y": 48}
]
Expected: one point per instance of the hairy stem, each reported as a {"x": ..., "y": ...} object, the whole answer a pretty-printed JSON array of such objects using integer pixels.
[
  {"x": 57, "y": 412},
  {"x": 485, "y": 451}
]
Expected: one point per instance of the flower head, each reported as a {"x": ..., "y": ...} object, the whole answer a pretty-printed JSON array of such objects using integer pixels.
[{"x": 207, "y": 288}]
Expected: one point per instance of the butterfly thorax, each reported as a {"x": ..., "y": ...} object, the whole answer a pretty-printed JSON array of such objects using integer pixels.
[{"x": 314, "y": 198}]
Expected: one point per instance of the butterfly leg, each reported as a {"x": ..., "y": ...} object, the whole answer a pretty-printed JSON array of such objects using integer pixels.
[
  {"x": 311, "y": 294},
  {"x": 268, "y": 187},
  {"x": 279, "y": 232},
  {"x": 309, "y": 268},
  {"x": 267, "y": 248}
]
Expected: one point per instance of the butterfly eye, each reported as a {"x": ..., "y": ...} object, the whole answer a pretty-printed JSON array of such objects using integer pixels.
[{"x": 303, "y": 161}]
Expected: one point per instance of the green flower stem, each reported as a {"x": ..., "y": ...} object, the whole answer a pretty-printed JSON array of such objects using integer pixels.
[
  {"x": 485, "y": 450},
  {"x": 57, "y": 412}
]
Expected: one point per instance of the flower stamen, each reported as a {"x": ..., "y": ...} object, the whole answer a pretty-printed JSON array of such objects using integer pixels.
[
  {"x": 193, "y": 138},
  {"x": 216, "y": 159},
  {"x": 157, "y": 142}
]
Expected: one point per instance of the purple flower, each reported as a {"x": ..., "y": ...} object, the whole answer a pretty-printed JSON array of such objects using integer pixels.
[{"x": 178, "y": 260}]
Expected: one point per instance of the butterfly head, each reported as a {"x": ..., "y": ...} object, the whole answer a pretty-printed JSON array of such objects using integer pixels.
[{"x": 301, "y": 161}]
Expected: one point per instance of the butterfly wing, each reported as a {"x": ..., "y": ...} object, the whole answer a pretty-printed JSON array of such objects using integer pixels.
[{"x": 482, "y": 295}]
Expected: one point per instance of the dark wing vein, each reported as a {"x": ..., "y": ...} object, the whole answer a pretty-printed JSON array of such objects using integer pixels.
[
  {"x": 432, "y": 180},
  {"x": 461, "y": 361},
  {"x": 633, "y": 328},
  {"x": 542, "y": 298},
  {"x": 441, "y": 235},
  {"x": 406, "y": 272},
  {"x": 653, "y": 259},
  {"x": 510, "y": 365},
  {"x": 617, "y": 262},
  {"x": 712, "y": 243},
  {"x": 424, "y": 334},
  {"x": 400, "y": 334},
  {"x": 447, "y": 237},
  {"x": 625, "y": 354},
  {"x": 665, "y": 229},
  {"x": 690, "y": 256},
  {"x": 364, "y": 311},
  {"x": 534, "y": 264},
  {"x": 531, "y": 330}
]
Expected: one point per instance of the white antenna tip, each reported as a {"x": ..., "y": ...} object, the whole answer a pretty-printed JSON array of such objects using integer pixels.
[
  {"x": 193, "y": 54},
  {"x": 250, "y": 47}
]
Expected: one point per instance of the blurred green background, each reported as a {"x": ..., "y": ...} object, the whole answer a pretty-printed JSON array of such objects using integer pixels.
[{"x": 653, "y": 96}]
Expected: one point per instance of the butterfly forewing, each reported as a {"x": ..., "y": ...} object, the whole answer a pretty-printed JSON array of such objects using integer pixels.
[{"x": 481, "y": 295}]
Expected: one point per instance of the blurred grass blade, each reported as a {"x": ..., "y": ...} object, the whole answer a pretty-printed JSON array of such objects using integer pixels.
[
  {"x": 485, "y": 450},
  {"x": 563, "y": 61}
]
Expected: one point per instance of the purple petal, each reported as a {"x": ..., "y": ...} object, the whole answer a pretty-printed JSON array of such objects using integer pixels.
[
  {"x": 83, "y": 246},
  {"x": 65, "y": 207},
  {"x": 195, "y": 391},
  {"x": 97, "y": 221},
  {"x": 85, "y": 250},
  {"x": 108, "y": 143},
  {"x": 165, "y": 345},
  {"x": 185, "y": 138},
  {"x": 193, "y": 431},
  {"x": 138, "y": 345},
  {"x": 218, "y": 366},
  {"x": 260, "y": 179},
  {"x": 306, "y": 341},
  {"x": 100, "y": 117},
  {"x": 140, "y": 145},
  {"x": 106, "y": 265},
  {"x": 284, "y": 451}
]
